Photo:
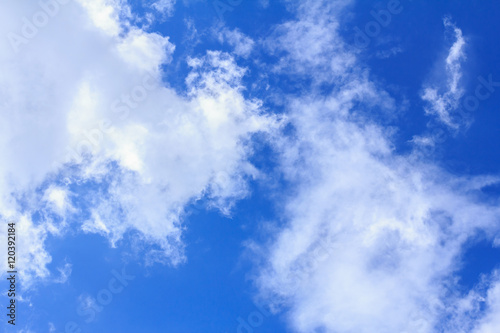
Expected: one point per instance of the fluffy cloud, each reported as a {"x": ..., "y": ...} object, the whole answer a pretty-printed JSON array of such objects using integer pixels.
[
  {"x": 373, "y": 239},
  {"x": 88, "y": 123}
]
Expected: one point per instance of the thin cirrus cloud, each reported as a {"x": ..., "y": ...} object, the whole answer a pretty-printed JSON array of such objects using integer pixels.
[
  {"x": 373, "y": 239},
  {"x": 242, "y": 45},
  {"x": 164, "y": 6},
  {"x": 444, "y": 100},
  {"x": 98, "y": 116}
]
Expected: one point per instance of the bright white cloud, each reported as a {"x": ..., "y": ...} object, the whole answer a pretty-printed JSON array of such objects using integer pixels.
[
  {"x": 105, "y": 15},
  {"x": 83, "y": 102},
  {"x": 444, "y": 100},
  {"x": 393, "y": 226},
  {"x": 58, "y": 200}
]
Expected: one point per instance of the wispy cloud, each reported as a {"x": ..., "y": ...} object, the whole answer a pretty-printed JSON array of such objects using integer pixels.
[
  {"x": 241, "y": 44},
  {"x": 395, "y": 224},
  {"x": 444, "y": 100},
  {"x": 64, "y": 273},
  {"x": 311, "y": 42},
  {"x": 490, "y": 322},
  {"x": 165, "y": 7}
]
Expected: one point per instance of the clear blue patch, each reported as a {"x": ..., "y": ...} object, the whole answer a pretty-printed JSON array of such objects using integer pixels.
[{"x": 479, "y": 258}]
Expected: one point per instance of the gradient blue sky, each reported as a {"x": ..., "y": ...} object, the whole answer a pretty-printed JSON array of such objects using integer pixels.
[{"x": 276, "y": 173}]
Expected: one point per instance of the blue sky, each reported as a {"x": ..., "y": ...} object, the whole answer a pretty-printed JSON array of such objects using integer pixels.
[{"x": 251, "y": 166}]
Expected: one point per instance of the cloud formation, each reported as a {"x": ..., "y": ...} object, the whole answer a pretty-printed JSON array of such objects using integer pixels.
[
  {"x": 98, "y": 142},
  {"x": 87, "y": 122},
  {"x": 373, "y": 239},
  {"x": 444, "y": 100}
]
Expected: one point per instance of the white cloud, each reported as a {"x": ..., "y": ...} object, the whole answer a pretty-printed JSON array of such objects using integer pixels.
[
  {"x": 105, "y": 15},
  {"x": 83, "y": 102},
  {"x": 394, "y": 226},
  {"x": 312, "y": 42},
  {"x": 444, "y": 100},
  {"x": 64, "y": 273},
  {"x": 491, "y": 321},
  {"x": 145, "y": 51},
  {"x": 58, "y": 200},
  {"x": 165, "y": 6},
  {"x": 242, "y": 44},
  {"x": 31, "y": 257}
]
